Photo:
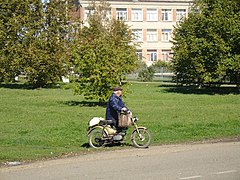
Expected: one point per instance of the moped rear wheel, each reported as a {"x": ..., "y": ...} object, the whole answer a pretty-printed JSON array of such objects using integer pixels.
[
  {"x": 141, "y": 138},
  {"x": 96, "y": 138}
]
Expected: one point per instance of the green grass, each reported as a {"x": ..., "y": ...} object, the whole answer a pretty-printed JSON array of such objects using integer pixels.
[{"x": 48, "y": 123}]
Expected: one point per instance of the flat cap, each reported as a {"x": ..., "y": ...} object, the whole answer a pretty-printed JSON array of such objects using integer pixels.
[{"x": 117, "y": 89}]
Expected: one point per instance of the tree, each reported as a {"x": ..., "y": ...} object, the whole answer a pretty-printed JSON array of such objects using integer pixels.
[
  {"x": 206, "y": 44},
  {"x": 14, "y": 16},
  {"x": 46, "y": 46},
  {"x": 33, "y": 40},
  {"x": 103, "y": 53},
  {"x": 146, "y": 73}
]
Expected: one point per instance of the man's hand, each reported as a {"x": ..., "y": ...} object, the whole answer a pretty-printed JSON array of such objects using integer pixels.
[
  {"x": 124, "y": 109},
  {"x": 129, "y": 112}
]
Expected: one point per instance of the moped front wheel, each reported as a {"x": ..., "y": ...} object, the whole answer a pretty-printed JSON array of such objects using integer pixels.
[
  {"x": 141, "y": 138},
  {"x": 96, "y": 138}
]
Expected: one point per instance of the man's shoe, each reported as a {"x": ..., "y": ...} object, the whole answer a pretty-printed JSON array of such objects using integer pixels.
[{"x": 122, "y": 133}]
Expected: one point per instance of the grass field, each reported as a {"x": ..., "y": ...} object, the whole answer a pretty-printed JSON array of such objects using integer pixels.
[{"x": 52, "y": 122}]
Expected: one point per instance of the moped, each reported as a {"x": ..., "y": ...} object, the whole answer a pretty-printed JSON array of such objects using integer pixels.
[{"x": 100, "y": 132}]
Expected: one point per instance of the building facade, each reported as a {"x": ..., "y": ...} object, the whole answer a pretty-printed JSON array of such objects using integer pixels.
[{"x": 151, "y": 21}]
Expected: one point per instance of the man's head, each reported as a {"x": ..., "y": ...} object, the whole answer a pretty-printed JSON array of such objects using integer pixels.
[{"x": 117, "y": 91}]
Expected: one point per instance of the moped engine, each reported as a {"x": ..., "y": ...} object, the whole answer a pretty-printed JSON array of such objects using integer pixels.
[{"x": 117, "y": 137}]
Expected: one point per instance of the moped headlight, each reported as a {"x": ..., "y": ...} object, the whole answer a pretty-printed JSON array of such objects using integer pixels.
[{"x": 135, "y": 119}]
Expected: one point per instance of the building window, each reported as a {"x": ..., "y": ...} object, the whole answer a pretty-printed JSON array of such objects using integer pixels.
[
  {"x": 139, "y": 54},
  {"x": 137, "y": 15},
  {"x": 166, "y": 34},
  {"x": 166, "y": 14},
  {"x": 166, "y": 55},
  {"x": 152, "y": 55},
  {"x": 181, "y": 13},
  {"x": 87, "y": 13},
  {"x": 138, "y": 34},
  {"x": 152, "y": 15},
  {"x": 152, "y": 35},
  {"x": 121, "y": 14},
  {"x": 108, "y": 14}
]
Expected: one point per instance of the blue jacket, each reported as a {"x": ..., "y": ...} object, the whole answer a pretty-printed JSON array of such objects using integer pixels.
[{"x": 114, "y": 105}]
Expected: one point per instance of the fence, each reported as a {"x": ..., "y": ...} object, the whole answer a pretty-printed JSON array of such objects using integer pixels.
[{"x": 161, "y": 74}]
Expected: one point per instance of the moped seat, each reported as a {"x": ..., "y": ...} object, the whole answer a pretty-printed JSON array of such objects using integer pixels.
[{"x": 106, "y": 122}]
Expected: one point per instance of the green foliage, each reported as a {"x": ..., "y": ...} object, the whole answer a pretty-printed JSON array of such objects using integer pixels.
[
  {"x": 32, "y": 40},
  {"x": 13, "y": 15},
  {"x": 102, "y": 54},
  {"x": 146, "y": 73},
  {"x": 206, "y": 45},
  {"x": 45, "y": 53},
  {"x": 159, "y": 64}
]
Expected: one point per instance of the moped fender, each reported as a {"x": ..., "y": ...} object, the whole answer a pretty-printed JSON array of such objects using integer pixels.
[{"x": 140, "y": 127}]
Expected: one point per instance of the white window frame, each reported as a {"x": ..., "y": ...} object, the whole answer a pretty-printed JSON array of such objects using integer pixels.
[
  {"x": 167, "y": 15},
  {"x": 137, "y": 14},
  {"x": 122, "y": 14},
  {"x": 152, "y": 55},
  {"x": 180, "y": 14},
  {"x": 152, "y": 35},
  {"x": 138, "y": 34},
  {"x": 166, "y": 35},
  {"x": 108, "y": 15},
  {"x": 152, "y": 14},
  {"x": 166, "y": 55},
  {"x": 87, "y": 13}
]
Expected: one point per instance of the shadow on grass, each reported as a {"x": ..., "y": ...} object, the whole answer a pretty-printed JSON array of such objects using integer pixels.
[
  {"x": 173, "y": 88},
  {"x": 85, "y": 103},
  {"x": 26, "y": 86},
  {"x": 86, "y": 145},
  {"x": 15, "y": 86}
]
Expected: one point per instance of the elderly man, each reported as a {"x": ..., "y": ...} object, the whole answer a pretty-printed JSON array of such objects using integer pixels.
[{"x": 114, "y": 106}]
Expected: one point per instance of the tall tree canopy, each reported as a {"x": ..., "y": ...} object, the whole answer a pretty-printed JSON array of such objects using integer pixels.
[
  {"x": 207, "y": 43},
  {"x": 32, "y": 40},
  {"x": 103, "y": 55}
]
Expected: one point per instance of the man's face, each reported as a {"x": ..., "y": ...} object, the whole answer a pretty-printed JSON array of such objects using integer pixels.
[{"x": 119, "y": 93}]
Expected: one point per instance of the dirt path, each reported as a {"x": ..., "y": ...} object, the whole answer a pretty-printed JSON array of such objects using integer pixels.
[{"x": 209, "y": 160}]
